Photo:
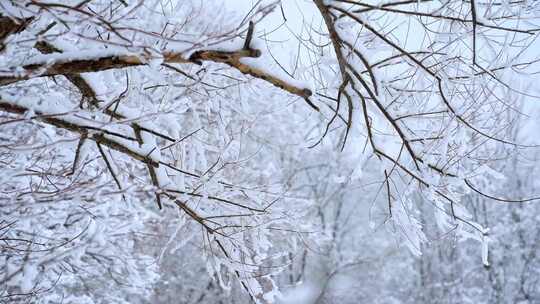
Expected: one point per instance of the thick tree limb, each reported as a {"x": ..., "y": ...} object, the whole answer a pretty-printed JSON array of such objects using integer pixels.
[{"x": 74, "y": 63}]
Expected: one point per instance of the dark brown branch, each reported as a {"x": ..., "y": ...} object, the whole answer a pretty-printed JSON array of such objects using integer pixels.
[
  {"x": 77, "y": 80},
  {"x": 81, "y": 129},
  {"x": 10, "y": 26},
  {"x": 108, "y": 62},
  {"x": 249, "y": 36},
  {"x": 109, "y": 166},
  {"x": 232, "y": 59},
  {"x": 76, "y": 159},
  {"x": 151, "y": 169}
]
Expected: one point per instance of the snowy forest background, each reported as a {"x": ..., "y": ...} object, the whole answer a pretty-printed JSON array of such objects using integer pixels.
[{"x": 293, "y": 151}]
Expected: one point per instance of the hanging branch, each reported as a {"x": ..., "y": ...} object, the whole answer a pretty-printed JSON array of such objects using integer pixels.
[{"x": 109, "y": 166}]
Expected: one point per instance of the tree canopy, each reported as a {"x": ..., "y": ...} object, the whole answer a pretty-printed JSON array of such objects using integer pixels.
[{"x": 237, "y": 136}]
